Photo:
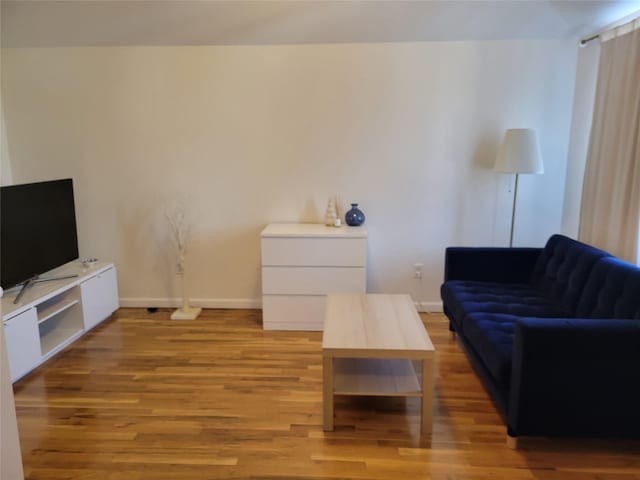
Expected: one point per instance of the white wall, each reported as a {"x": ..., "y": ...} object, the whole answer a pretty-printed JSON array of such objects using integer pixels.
[
  {"x": 10, "y": 452},
  {"x": 255, "y": 134},
  {"x": 6, "y": 176}
]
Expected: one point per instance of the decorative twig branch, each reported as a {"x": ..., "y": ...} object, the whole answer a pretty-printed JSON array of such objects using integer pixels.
[
  {"x": 179, "y": 237},
  {"x": 179, "y": 234}
]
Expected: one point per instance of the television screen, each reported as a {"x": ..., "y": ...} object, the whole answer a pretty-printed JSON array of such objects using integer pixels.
[{"x": 37, "y": 229}]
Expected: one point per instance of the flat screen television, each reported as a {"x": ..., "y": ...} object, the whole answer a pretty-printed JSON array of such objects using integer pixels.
[{"x": 37, "y": 229}]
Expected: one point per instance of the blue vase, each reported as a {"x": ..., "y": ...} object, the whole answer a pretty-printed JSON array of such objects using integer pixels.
[{"x": 354, "y": 217}]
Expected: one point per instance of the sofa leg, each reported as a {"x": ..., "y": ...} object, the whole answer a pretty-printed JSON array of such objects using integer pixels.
[{"x": 512, "y": 442}]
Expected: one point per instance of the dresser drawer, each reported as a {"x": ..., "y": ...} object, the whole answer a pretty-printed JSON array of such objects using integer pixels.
[
  {"x": 313, "y": 280},
  {"x": 293, "y": 312},
  {"x": 343, "y": 252}
]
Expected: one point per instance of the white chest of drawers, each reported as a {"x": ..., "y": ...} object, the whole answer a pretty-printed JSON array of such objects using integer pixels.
[{"x": 303, "y": 262}]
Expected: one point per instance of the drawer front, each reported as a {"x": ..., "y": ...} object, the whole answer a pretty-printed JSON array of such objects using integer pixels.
[
  {"x": 313, "y": 280},
  {"x": 293, "y": 312},
  {"x": 332, "y": 252}
]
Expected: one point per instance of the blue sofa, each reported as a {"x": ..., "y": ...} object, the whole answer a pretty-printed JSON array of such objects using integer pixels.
[{"x": 553, "y": 332}]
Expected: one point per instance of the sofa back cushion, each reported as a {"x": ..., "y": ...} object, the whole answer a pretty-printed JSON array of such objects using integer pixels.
[
  {"x": 562, "y": 270},
  {"x": 612, "y": 291}
]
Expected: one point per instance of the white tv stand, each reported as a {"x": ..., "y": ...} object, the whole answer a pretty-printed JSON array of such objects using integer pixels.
[{"x": 53, "y": 314}]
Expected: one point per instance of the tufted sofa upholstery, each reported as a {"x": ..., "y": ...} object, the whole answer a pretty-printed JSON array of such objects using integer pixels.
[{"x": 554, "y": 333}]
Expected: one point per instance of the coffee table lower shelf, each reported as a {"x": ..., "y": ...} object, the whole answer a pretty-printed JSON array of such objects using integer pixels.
[
  {"x": 388, "y": 377},
  {"x": 375, "y": 377}
]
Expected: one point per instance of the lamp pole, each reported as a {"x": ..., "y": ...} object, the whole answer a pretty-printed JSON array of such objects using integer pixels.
[{"x": 513, "y": 211}]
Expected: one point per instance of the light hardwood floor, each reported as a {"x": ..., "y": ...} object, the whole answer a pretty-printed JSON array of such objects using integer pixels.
[{"x": 144, "y": 397}]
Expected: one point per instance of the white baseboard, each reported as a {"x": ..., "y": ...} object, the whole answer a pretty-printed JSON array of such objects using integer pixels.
[
  {"x": 147, "y": 302},
  {"x": 429, "y": 307},
  {"x": 254, "y": 303}
]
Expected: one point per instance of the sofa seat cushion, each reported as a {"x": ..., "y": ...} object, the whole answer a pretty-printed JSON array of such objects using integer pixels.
[
  {"x": 491, "y": 336},
  {"x": 463, "y": 297}
]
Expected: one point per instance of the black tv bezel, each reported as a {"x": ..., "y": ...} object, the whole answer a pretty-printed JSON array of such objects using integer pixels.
[{"x": 72, "y": 254}]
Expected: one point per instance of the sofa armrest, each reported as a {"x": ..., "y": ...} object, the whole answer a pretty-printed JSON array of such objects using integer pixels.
[
  {"x": 575, "y": 377},
  {"x": 490, "y": 264}
]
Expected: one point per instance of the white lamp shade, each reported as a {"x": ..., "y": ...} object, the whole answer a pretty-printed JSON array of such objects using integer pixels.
[{"x": 519, "y": 152}]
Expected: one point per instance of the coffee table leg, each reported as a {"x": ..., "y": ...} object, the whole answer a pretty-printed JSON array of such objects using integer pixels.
[
  {"x": 327, "y": 393},
  {"x": 427, "y": 395}
]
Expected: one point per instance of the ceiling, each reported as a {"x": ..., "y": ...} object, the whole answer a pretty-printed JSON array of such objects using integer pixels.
[{"x": 33, "y": 23}]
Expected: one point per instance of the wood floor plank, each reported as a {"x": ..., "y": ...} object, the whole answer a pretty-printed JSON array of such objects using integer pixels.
[{"x": 144, "y": 397}]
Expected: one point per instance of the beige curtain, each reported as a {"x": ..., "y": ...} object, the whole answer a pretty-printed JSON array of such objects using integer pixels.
[{"x": 610, "y": 213}]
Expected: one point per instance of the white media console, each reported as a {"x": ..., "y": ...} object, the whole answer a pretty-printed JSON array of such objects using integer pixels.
[{"x": 53, "y": 314}]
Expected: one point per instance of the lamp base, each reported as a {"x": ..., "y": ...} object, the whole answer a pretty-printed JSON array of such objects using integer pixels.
[{"x": 190, "y": 314}]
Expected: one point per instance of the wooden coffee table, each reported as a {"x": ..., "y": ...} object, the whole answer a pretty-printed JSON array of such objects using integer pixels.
[{"x": 370, "y": 345}]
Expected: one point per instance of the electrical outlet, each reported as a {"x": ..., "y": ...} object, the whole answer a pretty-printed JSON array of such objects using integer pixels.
[{"x": 417, "y": 272}]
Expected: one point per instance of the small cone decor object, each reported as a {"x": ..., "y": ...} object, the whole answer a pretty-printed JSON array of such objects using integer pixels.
[
  {"x": 331, "y": 215},
  {"x": 179, "y": 237}
]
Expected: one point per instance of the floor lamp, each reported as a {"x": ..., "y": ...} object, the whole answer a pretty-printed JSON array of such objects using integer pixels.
[{"x": 519, "y": 153}]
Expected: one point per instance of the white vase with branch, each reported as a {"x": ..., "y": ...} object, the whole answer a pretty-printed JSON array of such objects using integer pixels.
[{"x": 179, "y": 236}]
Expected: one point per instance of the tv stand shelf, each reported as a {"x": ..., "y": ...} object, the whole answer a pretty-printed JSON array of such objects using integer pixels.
[
  {"x": 58, "y": 304},
  {"x": 52, "y": 314}
]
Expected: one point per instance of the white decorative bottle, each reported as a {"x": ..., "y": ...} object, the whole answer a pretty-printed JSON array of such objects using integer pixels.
[{"x": 331, "y": 214}]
